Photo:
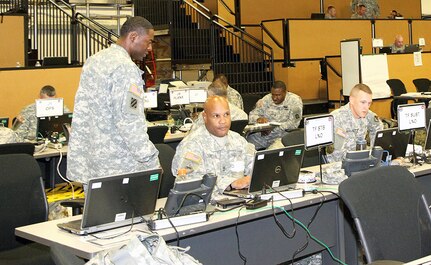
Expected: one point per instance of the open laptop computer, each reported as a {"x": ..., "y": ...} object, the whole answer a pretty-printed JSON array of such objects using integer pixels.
[
  {"x": 277, "y": 168},
  {"x": 393, "y": 141},
  {"x": 117, "y": 201}
]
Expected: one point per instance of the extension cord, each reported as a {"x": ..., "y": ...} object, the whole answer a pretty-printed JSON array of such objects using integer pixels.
[
  {"x": 178, "y": 221},
  {"x": 55, "y": 145},
  {"x": 290, "y": 194}
]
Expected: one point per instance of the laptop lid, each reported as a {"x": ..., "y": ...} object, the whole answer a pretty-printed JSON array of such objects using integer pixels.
[
  {"x": 119, "y": 200},
  {"x": 277, "y": 168},
  {"x": 48, "y": 127},
  {"x": 393, "y": 141},
  {"x": 428, "y": 139}
]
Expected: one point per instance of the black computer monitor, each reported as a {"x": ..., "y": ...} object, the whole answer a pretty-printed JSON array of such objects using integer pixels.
[
  {"x": 393, "y": 141},
  {"x": 52, "y": 127},
  {"x": 190, "y": 196},
  {"x": 411, "y": 48},
  {"x": 386, "y": 49},
  {"x": 317, "y": 16},
  {"x": 4, "y": 121},
  {"x": 55, "y": 61}
]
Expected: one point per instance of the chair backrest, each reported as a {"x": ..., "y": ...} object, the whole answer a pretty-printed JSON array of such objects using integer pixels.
[
  {"x": 294, "y": 137},
  {"x": 422, "y": 84},
  {"x": 238, "y": 126},
  {"x": 166, "y": 154},
  {"x": 157, "y": 134},
  {"x": 391, "y": 214},
  {"x": 23, "y": 196},
  {"x": 249, "y": 101},
  {"x": 397, "y": 86},
  {"x": 17, "y": 148}
]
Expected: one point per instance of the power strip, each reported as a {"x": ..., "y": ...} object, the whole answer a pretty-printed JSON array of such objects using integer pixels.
[
  {"x": 55, "y": 145},
  {"x": 290, "y": 194},
  {"x": 178, "y": 221}
]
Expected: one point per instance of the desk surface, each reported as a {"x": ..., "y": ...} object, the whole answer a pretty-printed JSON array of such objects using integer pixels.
[
  {"x": 47, "y": 233},
  {"x": 414, "y": 95},
  {"x": 50, "y": 152}
]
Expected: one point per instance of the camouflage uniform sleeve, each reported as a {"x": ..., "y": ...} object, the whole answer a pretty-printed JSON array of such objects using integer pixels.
[
  {"x": 258, "y": 111},
  {"x": 7, "y": 136},
  {"x": 374, "y": 125},
  {"x": 249, "y": 159},
  {"x": 130, "y": 118},
  {"x": 188, "y": 156},
  {"x": 25, "y": 130},
  {"x": 235, "y": 98},
  {"x": 294, "y": 114}
]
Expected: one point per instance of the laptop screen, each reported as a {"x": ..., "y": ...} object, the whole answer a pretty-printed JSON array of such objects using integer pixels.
[
  {"x": 121, "y": 199},
  {"x": 48, "y": 127},
  {"x": 393, "y": 141},
  {"x": 277, "y": 168}
]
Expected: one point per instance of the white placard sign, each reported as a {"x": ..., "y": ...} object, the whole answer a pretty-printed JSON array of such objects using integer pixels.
[
  {"x": 318, "y": 131},
  {"x": 150, "y": 99},
  {"x": 49, "y": 107},
  {"x": 411, "y": 116},
  {"x": 198, "y": 95},
  {"x": 179, "y": 96}
]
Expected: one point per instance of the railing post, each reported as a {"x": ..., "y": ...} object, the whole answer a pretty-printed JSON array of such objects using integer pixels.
[
  {"x": 73, "y": 37},
  {"x": 237, "y": 9}
]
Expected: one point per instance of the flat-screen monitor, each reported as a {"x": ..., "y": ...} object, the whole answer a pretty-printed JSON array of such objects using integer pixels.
[
  {"x": 428, "y": 139},
  {"x": 4, "y": 122},
  {"x": 190, "y": 196},
  {"x": 52, "y": 127},
  {"x": 318, "y": 131},
  {"x": 386, "y": 49},
  {"x": 411, "y": 116},
  {"x": 49, "y": 107},
  {"x": 317, "y": 16},
  {"x": 412, "y": 48},
  {"x": 393, "y": 141},
  {"x": 53, "y": 61}
]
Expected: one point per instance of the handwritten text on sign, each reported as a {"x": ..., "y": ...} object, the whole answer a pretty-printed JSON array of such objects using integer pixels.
[
  {"x": 319, "y": 131},
  {"x": 411, "y": 116}
]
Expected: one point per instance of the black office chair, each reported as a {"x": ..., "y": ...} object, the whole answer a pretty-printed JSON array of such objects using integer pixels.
[
  {"x": 17, "y": 148},
  {"x": 422, "y": 84},
  {"x": 397, "y": 87},
  {"x": 249, "y": 101},
  {"x": 166, "y": 154},
  {"x": 311, "y": 157},
  {"x": 238, "y": 126},
  {"x": 157, "y": 134},
  {"x": 390, "y": 211},
  {"x": 23, "y": 203}
]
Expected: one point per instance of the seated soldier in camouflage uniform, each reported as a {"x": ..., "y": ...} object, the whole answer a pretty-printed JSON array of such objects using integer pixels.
[
  {"x": 214, "y": 149},
  {"x": 354, "y": 120},
  {"x": 217, "y": 88},
  {"x": 25, "y": 125},
  {"x": 280, "y": 106},
  {"x": 233, "y": 96},
  {"x": 7, "y": 136}
]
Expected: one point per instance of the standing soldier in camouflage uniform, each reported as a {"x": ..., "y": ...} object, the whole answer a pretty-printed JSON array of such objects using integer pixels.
[
  {"x": 279, "y": 106},
  {"x": 373, "y": 9},
  {"x": 109, "y": 132},
  {"x": 217, "y": 88},
  {"x": 233, "y": 96},
  {"x": 214, "y": 149},
  {"x": 353, "y": 120},
  {"x": 25, "y": 125}
]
